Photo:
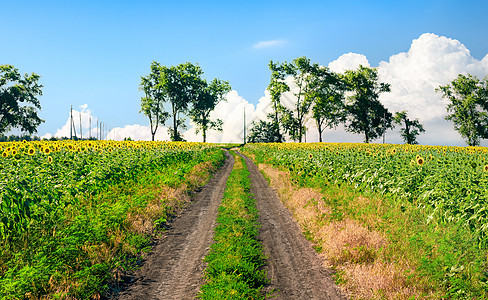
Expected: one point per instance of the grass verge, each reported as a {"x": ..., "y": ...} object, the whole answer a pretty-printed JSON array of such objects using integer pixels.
[
  {"x": 236, "y": 259},
  {"x": 82, "y": 250}
]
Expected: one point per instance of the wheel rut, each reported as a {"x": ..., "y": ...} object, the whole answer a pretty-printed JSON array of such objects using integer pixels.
[
  {"x": 294, "y": 268},
  {"x": 174, "y": 269}
]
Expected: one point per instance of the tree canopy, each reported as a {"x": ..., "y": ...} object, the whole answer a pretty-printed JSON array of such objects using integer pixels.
[
  {"x": 154, "y": 98},
  {"x": 299, "y": 69},
  {"x": 327, "y": 97},
  {"x": 412, "y": 128},
  {"x": 205, "y": 102},
  {"x": 468, "y": 107},
  {"x": 366, "y": 114},
  {"x": 183, "y": 89},
  {"x": 16, "y": 93}
]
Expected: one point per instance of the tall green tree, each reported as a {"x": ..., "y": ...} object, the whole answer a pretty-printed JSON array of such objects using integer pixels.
[
  {"x": 16, "y": 93},
  {"x": 152, "y": 104},
  {"x": 365, "y": 113},
  {"x": 205, "y": 102},
  {"x": 263, "y": 132},
  {"x": 327, "y": 97},
  {"x": 182, "y": 83},
  {"x": 294, "y": 120},
  {"x": 468, "y": 107},
  {"x": 412, "y": 128},
  {"x": 276, "y": 88}
]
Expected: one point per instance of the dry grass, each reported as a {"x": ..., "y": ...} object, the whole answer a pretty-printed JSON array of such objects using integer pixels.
[{"x": 350, "y": 246}]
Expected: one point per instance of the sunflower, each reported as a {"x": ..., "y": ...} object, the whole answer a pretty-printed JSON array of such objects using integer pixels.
[
  {"x": 310, "y": 155},
  {"x": 49, "y": 159},
  {"x": 47, "y": 150},
  {"x": 5, "y": 154},
  {"x": 31, "y": 151},
  {"x": 420, "y": 161},
  {"x": 485, "y": 168},
  {"x": 17, "y": 156}
]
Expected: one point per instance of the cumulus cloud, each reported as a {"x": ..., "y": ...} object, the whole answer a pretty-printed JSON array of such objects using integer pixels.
[
  {"x": 348, "y": 61},
  {"x": 83, "y": 124},
  {"x": 231, "y": 112},
  {"x": 268, "y": 44},
  {"x": 414, "y": 75},
  {"x": 137, "y": 132}
]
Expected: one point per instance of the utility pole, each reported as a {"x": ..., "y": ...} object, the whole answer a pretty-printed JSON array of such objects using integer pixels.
[
  {"x": 71, "y": 123},
  {"x": 81, "y": 128},
  {"x": 89, "y": 132},
  {"x": 244, "y": 125}
]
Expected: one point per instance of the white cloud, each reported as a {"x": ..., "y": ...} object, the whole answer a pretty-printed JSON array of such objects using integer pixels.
[
  {"x": 348, "y": 61},
  {"x": 268, "y": 44},
  {"x": 138, "y": 133},
  {"x": 83, "y": 124}
]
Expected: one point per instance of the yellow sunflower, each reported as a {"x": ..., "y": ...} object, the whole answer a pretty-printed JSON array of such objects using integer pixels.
[{"x": 420, "y": 161}]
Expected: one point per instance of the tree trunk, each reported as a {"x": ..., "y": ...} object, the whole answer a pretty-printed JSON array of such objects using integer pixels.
[{"x": 319, "y": 127}]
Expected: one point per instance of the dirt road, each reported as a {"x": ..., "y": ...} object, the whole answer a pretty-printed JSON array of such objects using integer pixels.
[
  {"x": 295, "y": 270},
  {"x": 174, "y": 269}
]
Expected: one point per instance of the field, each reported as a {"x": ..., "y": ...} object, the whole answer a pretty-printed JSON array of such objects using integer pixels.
[
  {"x": 392, "y": 221},
  {"x": 75, "y": 215},
  {"x": 423, "y": 211}
]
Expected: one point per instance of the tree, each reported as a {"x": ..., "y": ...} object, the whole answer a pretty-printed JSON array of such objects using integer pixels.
[
  {"x": 205, "y": 102},
  {"x": 154, "y": 98},
  {"x": 15, "y": 91},
  {"x": 263, "y": 132},
  {"x": 468, "y": 106},
  {"x": 412, "y": 128},
  {"x": 182, "y": 84},
  {"x": 326, "y": 94},
  {"x": 365, "y": 113},
  {"x": 276, "y": 88},
  {"x": 294, "y": 119}
]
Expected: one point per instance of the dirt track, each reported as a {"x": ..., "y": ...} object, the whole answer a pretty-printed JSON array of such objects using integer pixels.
[
  {"x": 174, "y": 269},
  {"x": 295, "y": 270}
]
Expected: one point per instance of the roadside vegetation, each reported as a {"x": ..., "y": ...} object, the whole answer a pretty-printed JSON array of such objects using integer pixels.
[
  {"x": 235, "y": 261},
  {"x": 75, "y": 216},
  {"x": 394, "y": 221}
]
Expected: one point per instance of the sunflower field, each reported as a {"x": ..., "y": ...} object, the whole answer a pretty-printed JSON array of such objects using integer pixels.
[
  {"x": 451, "y": 183},
  {"x": 430, "y": 202},
  {"x": 61, "y": 202}
]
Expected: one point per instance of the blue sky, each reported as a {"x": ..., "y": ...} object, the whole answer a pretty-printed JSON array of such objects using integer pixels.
[{"x": 94, "y": 52}]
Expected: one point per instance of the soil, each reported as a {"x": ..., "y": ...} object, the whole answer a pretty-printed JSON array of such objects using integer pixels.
[
  {"x": 294, "y": 268},
  {"x": 174, "y": 269}
]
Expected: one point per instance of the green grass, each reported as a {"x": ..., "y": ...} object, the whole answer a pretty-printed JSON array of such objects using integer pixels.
[{"x": 236, "y": 260}]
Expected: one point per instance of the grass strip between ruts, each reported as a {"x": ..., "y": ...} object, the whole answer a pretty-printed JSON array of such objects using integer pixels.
[{"x": 236, "y": 259}]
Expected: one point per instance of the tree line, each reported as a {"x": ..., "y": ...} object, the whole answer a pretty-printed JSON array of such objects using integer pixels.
[
  {"x": 329, "y": 98},
  {"x": 183, "y": 89},
  {"x": 352, "y": 99}
]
